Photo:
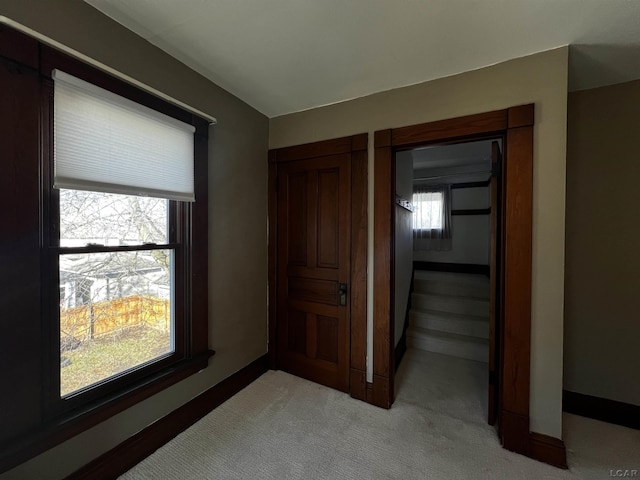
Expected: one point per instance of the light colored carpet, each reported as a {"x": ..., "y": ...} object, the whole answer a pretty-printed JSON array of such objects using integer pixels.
[{"x": 283, "y": 427}]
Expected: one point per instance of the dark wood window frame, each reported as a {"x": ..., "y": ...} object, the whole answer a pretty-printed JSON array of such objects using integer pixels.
[
  {"x": 34, "y": 418},
  {"x": 515, "y": 126}
]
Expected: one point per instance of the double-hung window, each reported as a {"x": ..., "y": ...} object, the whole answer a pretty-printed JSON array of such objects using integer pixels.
[
  {"x": 123, "y": 179},
  {"x": 104, "y": 263}
]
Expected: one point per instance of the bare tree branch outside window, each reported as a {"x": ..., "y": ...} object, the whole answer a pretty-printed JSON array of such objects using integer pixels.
[{"x": 115, "y": 310}]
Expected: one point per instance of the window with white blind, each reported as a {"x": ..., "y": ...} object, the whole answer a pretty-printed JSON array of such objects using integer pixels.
[
  {"x": 107, "y": 143},
  {"x": 105, "y": 260},
  {"x": 122, "y": 172}
]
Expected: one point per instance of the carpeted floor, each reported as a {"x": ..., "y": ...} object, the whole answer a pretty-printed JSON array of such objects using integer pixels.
[{"x": 283, "y": 427}]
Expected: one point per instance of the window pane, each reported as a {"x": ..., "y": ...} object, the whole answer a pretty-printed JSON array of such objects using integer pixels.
[
  {"x": 111, "y": 219},
  {"x": 428, "y": 211},
  {"x": 116, "y": 313}
]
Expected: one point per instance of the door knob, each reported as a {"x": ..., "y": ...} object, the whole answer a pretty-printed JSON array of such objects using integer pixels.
[{"x": 342, "y": 294}]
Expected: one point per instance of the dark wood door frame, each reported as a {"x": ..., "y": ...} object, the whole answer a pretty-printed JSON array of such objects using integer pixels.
[
  {"x": 515, "y": 126},
  {"x": 356, "y": 146}
]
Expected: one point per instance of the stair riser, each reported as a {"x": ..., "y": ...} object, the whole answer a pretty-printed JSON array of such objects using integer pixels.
[
  {"x": 471, "y": 328},
  {"x": 445, "y": 288},
  {"x": 479, "y": 353},
  {"x": 464, "y": 306}
]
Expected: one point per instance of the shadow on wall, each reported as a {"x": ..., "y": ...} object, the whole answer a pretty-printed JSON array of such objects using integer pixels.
[{"x": 593, "y": 62}]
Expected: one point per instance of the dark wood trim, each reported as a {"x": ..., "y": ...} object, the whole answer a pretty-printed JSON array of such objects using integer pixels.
[
  {"x": 485, "y": 183},
  {"x": 452, "y": 267},
  {"x": 521, "y": 116},
  {"x": 359, "y": 243},
  {"x": 495, "y": 278},
  {"x": 360, "y": 142},
  {"x": 514, "y": 429},
  {"x": 198, "y": 240},
  {"x": 602, "y": 409},
  {"x": 22, "y": 449},
  {"x": 383, "y": 274},
  {"x": 21, "y": 276},
  {"x": 123, "y": 457},
  {"x": 515, "y": 127},
  {"x": 39, "y": 418},
  {"x": 382, "y": 138},
  {"x": 401, "y": 347},
  {"x": 358, "y": 384},
  {"x": 548, "y": 450},
  {"x": 98, "y": 248},
  {"x": 357, "y": 146},
  {"x": 378, "y": 392},
  {"x": 273, "y": 257},
  {"x": 517, "y": 250},
  {"x": 18, "y": 47},
  {"x": 454, "y": 128},
  {"x": 472, "y": 211}
]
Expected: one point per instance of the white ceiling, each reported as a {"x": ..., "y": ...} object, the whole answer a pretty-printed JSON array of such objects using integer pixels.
[
  {"x": 283, "y": 56},
  {"x": 476, "y": 154},
  {"x": 455, "y": 163}
]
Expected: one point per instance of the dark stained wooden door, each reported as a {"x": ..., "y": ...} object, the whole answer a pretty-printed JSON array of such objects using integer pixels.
[
  {"x": 313, "y": 318},
  {"x": 494, "y": 266}
]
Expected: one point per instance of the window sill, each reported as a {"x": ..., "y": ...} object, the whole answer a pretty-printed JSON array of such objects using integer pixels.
[{"x": 57, "y": 431}]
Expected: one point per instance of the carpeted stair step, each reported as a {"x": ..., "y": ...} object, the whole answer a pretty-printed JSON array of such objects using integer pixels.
[
  {"x": 450, "y": 303},
  {"x": 468, "y": 325},
  {"x": 462, "y": 346}
]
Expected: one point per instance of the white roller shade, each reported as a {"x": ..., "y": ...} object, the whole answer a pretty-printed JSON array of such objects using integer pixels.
[{"x": 106, "y": 143}]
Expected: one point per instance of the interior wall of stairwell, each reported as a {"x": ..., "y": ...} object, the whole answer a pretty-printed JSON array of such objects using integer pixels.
[
  {"x": 469, "y": 233},
  {"x": 403, "y": 242}
]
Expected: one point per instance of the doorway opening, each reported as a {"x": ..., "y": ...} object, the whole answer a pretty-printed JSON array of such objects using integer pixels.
[
  {"x": 447, "y": 275},
  {"x": 515, "y": 126}
]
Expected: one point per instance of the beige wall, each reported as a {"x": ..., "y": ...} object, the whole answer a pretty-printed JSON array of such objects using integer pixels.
[
  {"x": 540, "y": 78},
  {"x": 237, "y": 238},
  {"x": 603, "y": 254}
]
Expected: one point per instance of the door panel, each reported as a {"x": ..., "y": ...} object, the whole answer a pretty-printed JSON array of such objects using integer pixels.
[
  {"x": 297, "y": 233},
  {"x": 328, "y": 218},
  {"x": 327, "y": 338},
  {"x": 313, "y": 260},
  {"x": 297, "y": 331},
  {"x": 312, "y": 290}
]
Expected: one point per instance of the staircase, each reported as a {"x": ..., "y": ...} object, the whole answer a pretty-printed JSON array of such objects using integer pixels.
[{"x": 450, "y": 314}]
